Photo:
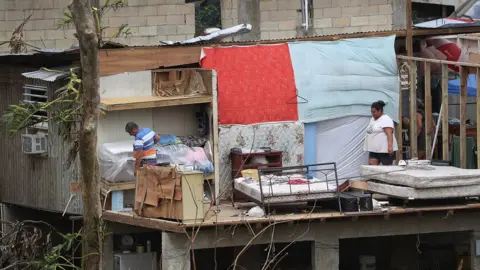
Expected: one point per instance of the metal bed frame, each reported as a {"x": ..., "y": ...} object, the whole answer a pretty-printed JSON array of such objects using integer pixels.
[{"x": 269, "y": 198}]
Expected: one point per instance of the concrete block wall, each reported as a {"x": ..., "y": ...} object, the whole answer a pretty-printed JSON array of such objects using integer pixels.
[
  {"x": 149, "y": 20},
  {"x": 350, "y": 16},
  {"x": 282, "y": 18}
]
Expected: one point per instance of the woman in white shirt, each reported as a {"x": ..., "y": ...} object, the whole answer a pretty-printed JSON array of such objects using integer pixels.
[{"x": 380, "y": 141}]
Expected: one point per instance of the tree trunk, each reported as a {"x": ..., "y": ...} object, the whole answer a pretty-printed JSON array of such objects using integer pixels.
[{"x": 92, "y": 214}]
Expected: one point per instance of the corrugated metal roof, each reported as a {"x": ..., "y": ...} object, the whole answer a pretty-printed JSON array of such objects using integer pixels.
[
  {"x": 467, "y": 29},
  {"x": 40, "y": 51},
  {"x": 293, "y": 39},
  {"x": 49, "y": 75}
]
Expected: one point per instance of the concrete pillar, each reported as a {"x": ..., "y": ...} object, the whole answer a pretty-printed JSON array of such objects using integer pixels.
[
  {"x": 107, "y": 256},
  {"x": 325, "y": 254},
  {"x": 249, "y": 12},
  {"x": 475, "y": 250},
  {"x": 175, "y": 251}
]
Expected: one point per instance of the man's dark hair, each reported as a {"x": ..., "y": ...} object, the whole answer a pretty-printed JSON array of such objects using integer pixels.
[{"x": 130, "y": 127}]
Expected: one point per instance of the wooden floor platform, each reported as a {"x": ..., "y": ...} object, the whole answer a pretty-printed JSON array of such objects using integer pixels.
[{"x": 227, "y": 215}]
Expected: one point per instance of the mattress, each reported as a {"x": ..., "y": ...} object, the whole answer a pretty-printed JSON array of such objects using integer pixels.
[
  {"x": 422, "y": 177},
  {"x": 424, "y": 193},
  {"x": 278, "y": 190},
  {"x": 282, "y": 136}
]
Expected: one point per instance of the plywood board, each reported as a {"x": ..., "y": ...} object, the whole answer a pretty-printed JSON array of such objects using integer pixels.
[{"x": 117, "y": 61}]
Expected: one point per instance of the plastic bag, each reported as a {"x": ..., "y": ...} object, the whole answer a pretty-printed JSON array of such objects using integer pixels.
[
  {"x": 182, "y": 154},
  {"x": 116, "y": 161}
]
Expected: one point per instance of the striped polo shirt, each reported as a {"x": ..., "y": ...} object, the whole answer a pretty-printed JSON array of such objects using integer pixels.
[{"x": 144, "y": 142}]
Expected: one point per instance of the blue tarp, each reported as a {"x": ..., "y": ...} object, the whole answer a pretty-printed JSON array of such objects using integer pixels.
[
  {"x": 454, "y": 86},
  {"x": 342, "y": 78}
]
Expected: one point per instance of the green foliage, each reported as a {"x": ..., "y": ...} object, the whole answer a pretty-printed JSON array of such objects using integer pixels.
[
  {"x": 56, "y": 257},
  {"x": 208, "y": 16}
]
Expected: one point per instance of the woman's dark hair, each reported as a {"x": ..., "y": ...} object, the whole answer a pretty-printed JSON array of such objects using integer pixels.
[{"x": 378, "y": 105}]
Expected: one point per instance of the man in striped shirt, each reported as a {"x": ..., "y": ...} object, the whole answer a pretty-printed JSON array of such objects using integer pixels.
[{"x": 144, "y": 150}]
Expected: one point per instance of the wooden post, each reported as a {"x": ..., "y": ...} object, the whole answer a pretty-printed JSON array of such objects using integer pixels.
[
  {"x": 463, "y": 116},
  {"x": 445, "y": 112},
  {"x": 399, "y": 130},
  {"x": 413, "y": 110},
  {"x": 478, "y": 117},
  {"x": 428, "y": 111},
  {"x": 413, "y": 82}
]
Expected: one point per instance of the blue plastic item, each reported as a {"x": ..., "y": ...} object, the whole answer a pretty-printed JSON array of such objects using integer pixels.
[{"x": 168, "y": 139}]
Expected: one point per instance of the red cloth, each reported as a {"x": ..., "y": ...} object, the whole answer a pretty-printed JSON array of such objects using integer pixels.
[
  {"x": 254, "y": 83},
  {"x": 298, "y": 182}
]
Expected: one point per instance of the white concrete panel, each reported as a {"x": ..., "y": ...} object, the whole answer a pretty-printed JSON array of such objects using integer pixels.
[
  {"x": 112, "y": 126},
  {"x": 179, "y": 120},
  {"x": 132, "y": 84}
]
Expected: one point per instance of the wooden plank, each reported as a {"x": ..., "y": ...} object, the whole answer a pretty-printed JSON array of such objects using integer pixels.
[
  {"x": 413, "y": 110},
  {"x": 116, "y": 61},
  {"x": 216, "y": 155},
  {"x": 118, "y": 186},
  {"x": 120, "y": 104},
  {"x": 478, "y": 117},
  {"x": 399, "y": 128},
  {"x": 131, "y": 219},
  {"x": 360, "y": 185},
  {"x": 463, "y": 117},
  {"x": 435, "y": 61},
  {"x": 445, "y": 134},
  {"x": 428, "y": 111},
  {"x": 413, "y": 80}
]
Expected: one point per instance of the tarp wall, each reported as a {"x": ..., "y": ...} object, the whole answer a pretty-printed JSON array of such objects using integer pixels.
[{"x": 343, "y": 78}]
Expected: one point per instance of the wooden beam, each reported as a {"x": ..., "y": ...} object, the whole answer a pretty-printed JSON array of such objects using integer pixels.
[
  {"x": 131, "y": 219},
  {"x": 478, "y": 118},
  {"x": 413, "y": 110},
  {"x": 463, "y": 117},
  {"x": 435, "y": 61},
  {"x": 445, "y": 112},
  {"x": 399, "y": 128},
  {"x": 133, "y": 103},
  {"x": 117, "y": 186},
  {"x": 428, "y": 111},
  {"x": 116, "y": 61},
  {"x": 413, "y": 80}
]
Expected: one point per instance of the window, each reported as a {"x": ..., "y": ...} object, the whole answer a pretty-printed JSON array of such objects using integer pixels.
[{"x": 37, "y": 94}]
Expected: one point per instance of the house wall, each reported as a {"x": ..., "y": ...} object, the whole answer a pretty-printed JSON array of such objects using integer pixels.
[
  {"x": 112, "y": 124},
  {"x": 31, "y": 180},
  {"x": 149, "y": 22}
]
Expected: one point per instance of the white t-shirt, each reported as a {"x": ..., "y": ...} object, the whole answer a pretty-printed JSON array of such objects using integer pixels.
[{"x": 376, "y": 140}]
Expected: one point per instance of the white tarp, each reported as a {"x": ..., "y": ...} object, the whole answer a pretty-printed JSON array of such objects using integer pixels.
[{"x": 341, "y": 140}]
